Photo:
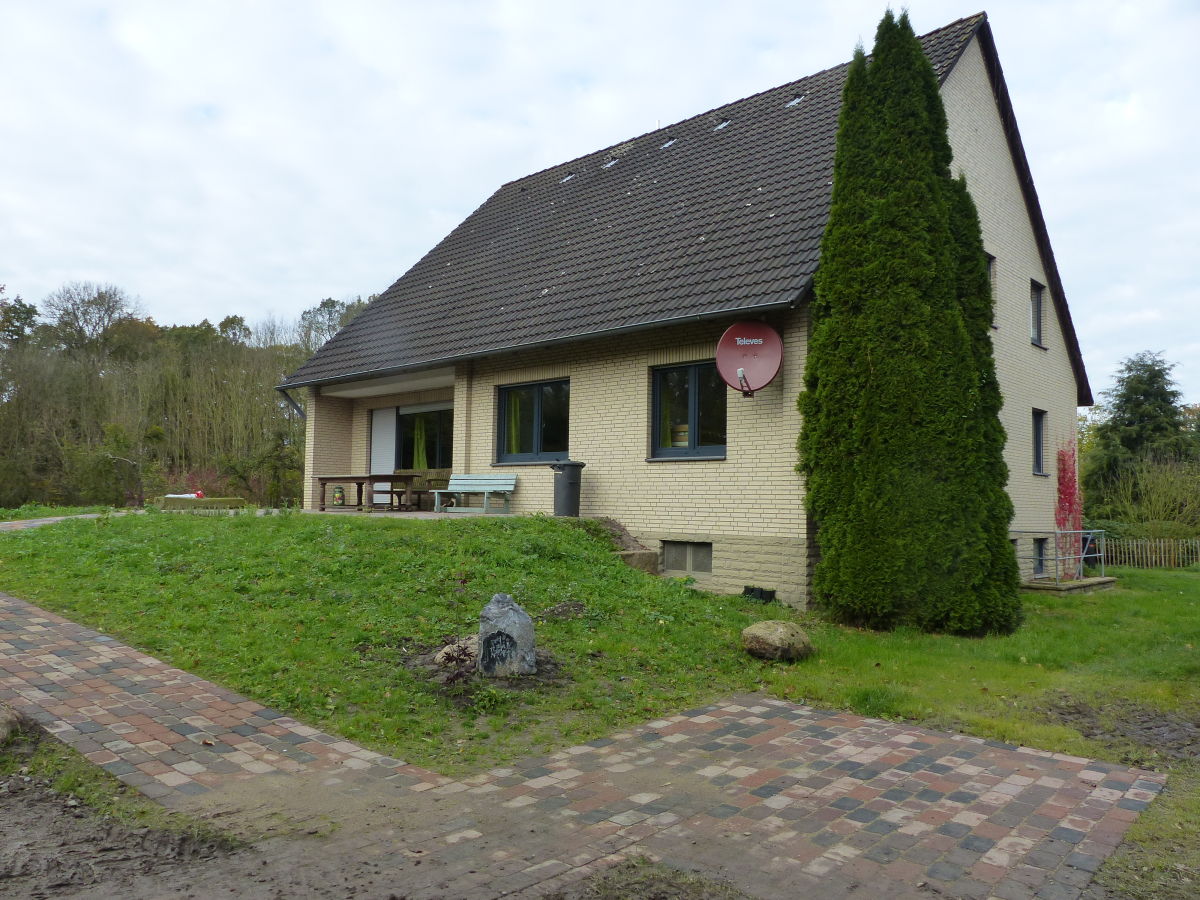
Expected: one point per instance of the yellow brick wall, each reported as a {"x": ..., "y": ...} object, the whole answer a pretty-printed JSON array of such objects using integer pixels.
[
  {"x": 1029, "y": 376},
  {"x": 748, "y": 505},
  {"x": 326, "y": 449}
]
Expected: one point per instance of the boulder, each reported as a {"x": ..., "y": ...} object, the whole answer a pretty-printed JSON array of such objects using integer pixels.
[
  {"x": 10, "y": 723},
  {"x": 776, "y": 640},
  {"x": 506, "y": 639},
  {"x": 462, "y": 652}
]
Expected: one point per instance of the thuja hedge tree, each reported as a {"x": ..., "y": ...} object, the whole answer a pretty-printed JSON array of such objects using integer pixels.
[{"x": 901, "y": 442}]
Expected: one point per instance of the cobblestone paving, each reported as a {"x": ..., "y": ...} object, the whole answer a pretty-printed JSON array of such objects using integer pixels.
[{"x": 778, "y": 798}]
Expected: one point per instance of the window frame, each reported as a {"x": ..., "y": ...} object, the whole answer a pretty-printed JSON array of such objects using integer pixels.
[
  {"x": 691, "y": 550},
  {"x": 694, "y": 450},
  {"x": 991, "y": 275},
  {"x": 537, "y": 454},
  {"x": 1037, "y": 314},
  {"x": 1040, "y": 546},
  {"x": 1038, "y": 442}
]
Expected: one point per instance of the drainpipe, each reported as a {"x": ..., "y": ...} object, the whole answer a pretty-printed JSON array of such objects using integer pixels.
[{"x": 292, "y": 403}]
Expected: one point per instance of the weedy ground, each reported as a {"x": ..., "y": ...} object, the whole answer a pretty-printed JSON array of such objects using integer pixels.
[{"x": 328, "y": 618}]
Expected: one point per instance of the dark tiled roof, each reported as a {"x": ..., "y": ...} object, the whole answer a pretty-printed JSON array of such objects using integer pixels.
[{"x": 697, "y": 219}]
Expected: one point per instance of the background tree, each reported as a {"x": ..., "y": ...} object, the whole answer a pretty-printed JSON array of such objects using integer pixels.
[
  {"x": 1143, "y": 419},
  {"x": 17, "y": 320},
  {"x": 81, "y": 312},
  {"x": 321, "y": 322},
  {"x": 99, "y": 405},
  {"x": 900, "y": 442}
]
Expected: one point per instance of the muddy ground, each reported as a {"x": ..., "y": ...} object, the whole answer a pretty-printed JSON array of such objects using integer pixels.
[{"x": 53, "y": 846}]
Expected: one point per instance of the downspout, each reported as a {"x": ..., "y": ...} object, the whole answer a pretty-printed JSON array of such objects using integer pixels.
[{"x": 292, "y": 403}]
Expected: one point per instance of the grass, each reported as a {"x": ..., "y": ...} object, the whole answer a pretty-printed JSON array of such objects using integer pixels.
[
  {"x": 316, "y": 615},
  {"x": 41, "y": 511}
]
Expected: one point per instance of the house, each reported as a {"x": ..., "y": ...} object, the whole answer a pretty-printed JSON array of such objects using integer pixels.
[{"x": 576, "y": 312}]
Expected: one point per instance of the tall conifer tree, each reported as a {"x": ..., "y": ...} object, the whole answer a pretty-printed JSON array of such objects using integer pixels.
[{"x": 900, "y": 442}]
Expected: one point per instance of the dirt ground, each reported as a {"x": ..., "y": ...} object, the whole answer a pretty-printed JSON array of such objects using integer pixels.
[{"x": 53, "y": 846}]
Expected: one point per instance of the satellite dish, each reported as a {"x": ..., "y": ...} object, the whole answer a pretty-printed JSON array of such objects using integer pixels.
[{"x": 748, "y": 356}]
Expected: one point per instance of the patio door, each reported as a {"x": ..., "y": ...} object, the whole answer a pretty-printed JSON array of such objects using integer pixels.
[{"x": 383, "y": 448}]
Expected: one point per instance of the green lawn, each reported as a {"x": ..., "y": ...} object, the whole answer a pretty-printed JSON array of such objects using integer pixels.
[
  {"x": 41, "y": 511},
  {"x": 315, "y": 615}
]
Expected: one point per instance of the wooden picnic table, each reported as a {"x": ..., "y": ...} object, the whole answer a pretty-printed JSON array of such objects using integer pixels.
[{"x": 359, "y": 481}]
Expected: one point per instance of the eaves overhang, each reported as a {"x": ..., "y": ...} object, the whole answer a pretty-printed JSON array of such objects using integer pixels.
[{"x": 771, "y": 306}]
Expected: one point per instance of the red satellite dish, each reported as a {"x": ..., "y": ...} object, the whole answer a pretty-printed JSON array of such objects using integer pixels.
[{"x": 748, "y": 356}]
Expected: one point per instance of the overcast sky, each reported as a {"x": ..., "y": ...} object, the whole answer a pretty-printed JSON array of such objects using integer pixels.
[{"x": 250, "y": 158}]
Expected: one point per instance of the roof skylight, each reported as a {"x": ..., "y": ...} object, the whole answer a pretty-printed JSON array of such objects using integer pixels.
[
  {"x": 567, "y": 177},
  {"x": 796, "y": 101},
  {"x": 724, "y": 122},
  {"x": 608, "y": 165},
  {"x": 667, "y": 144}
]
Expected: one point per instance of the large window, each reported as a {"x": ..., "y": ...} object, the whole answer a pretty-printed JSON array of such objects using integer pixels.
[
  {"x": 1039, "y": 442},
  {"x": 689, "y": 411},
  {"x": 424, "y": 440},
  {"x": 533, "y": 422}
]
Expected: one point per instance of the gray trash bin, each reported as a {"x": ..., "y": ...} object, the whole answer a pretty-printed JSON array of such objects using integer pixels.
[{"x": 566, "y": 487}]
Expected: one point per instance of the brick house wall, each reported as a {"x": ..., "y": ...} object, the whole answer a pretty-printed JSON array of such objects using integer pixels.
[{"x": 749, "y": 506}]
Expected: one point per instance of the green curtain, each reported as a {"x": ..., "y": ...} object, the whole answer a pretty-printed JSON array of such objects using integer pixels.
[
  {"x": 420, "y": 461},
  {"x": 664, "y": 410},
  {"x": 513, "y": 430}
]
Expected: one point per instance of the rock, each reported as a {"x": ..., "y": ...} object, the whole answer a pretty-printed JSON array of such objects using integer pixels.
[
  {"x": 10, "y": 724},
  {"x": 506, "y": 639},
  {"x": 462, "y": 652},
  {"x": 776, "y": 640}
]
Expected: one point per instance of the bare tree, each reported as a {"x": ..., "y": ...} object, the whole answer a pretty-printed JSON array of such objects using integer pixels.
[{"x": 82, "y": 311}]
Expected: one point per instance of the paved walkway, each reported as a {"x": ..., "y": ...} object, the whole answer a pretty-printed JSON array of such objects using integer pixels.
[{"x": 781, "y": 799}]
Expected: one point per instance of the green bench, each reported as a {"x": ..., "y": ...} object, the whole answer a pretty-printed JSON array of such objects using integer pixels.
[{"x": 462, "y": 485}]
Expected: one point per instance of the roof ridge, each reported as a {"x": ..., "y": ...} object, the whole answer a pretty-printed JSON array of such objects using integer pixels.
[{"x": 980, "y": 16}]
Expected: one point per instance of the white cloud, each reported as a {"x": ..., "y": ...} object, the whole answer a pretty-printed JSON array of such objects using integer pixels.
[{"x": 222, "y": 157}]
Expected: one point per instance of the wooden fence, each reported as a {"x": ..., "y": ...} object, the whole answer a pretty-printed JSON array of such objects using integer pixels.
[{"x": 1159, "y": 553}]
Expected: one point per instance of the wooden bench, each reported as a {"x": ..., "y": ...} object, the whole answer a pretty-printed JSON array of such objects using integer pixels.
[{"x": 460, "y": 485}]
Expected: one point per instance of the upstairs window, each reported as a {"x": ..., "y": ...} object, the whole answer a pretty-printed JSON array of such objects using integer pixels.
[
  {"x": 991, "y": 275},
  {"x": 1037, "y": 293},
  {"x": 689, "y": 411},
  {"x": 533, "y": 422},
  {"x": 1039, "y": 442}
]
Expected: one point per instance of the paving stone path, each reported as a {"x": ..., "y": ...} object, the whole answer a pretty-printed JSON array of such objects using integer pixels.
[{"x": 780, "y": 799}]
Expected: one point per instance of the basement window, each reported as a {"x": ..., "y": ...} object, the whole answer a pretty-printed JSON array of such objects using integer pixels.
[
  {"x": 1039, "y": 556},
  {"x": 687, "y": 556}
]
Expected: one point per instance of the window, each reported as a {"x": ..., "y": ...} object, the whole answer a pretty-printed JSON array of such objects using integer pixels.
[
  {"x": 533, "y": 420},
  {"x": 1039, "y": 556},
  {"x": 689, "y": 411},
  {"x": 686, "y": 556},
  {"x": 1039, "y": 442},
  {"x": 1036, "y": 294},
  {"x": 991, "y": 274},
  {"x": 424, "y": 440}
]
